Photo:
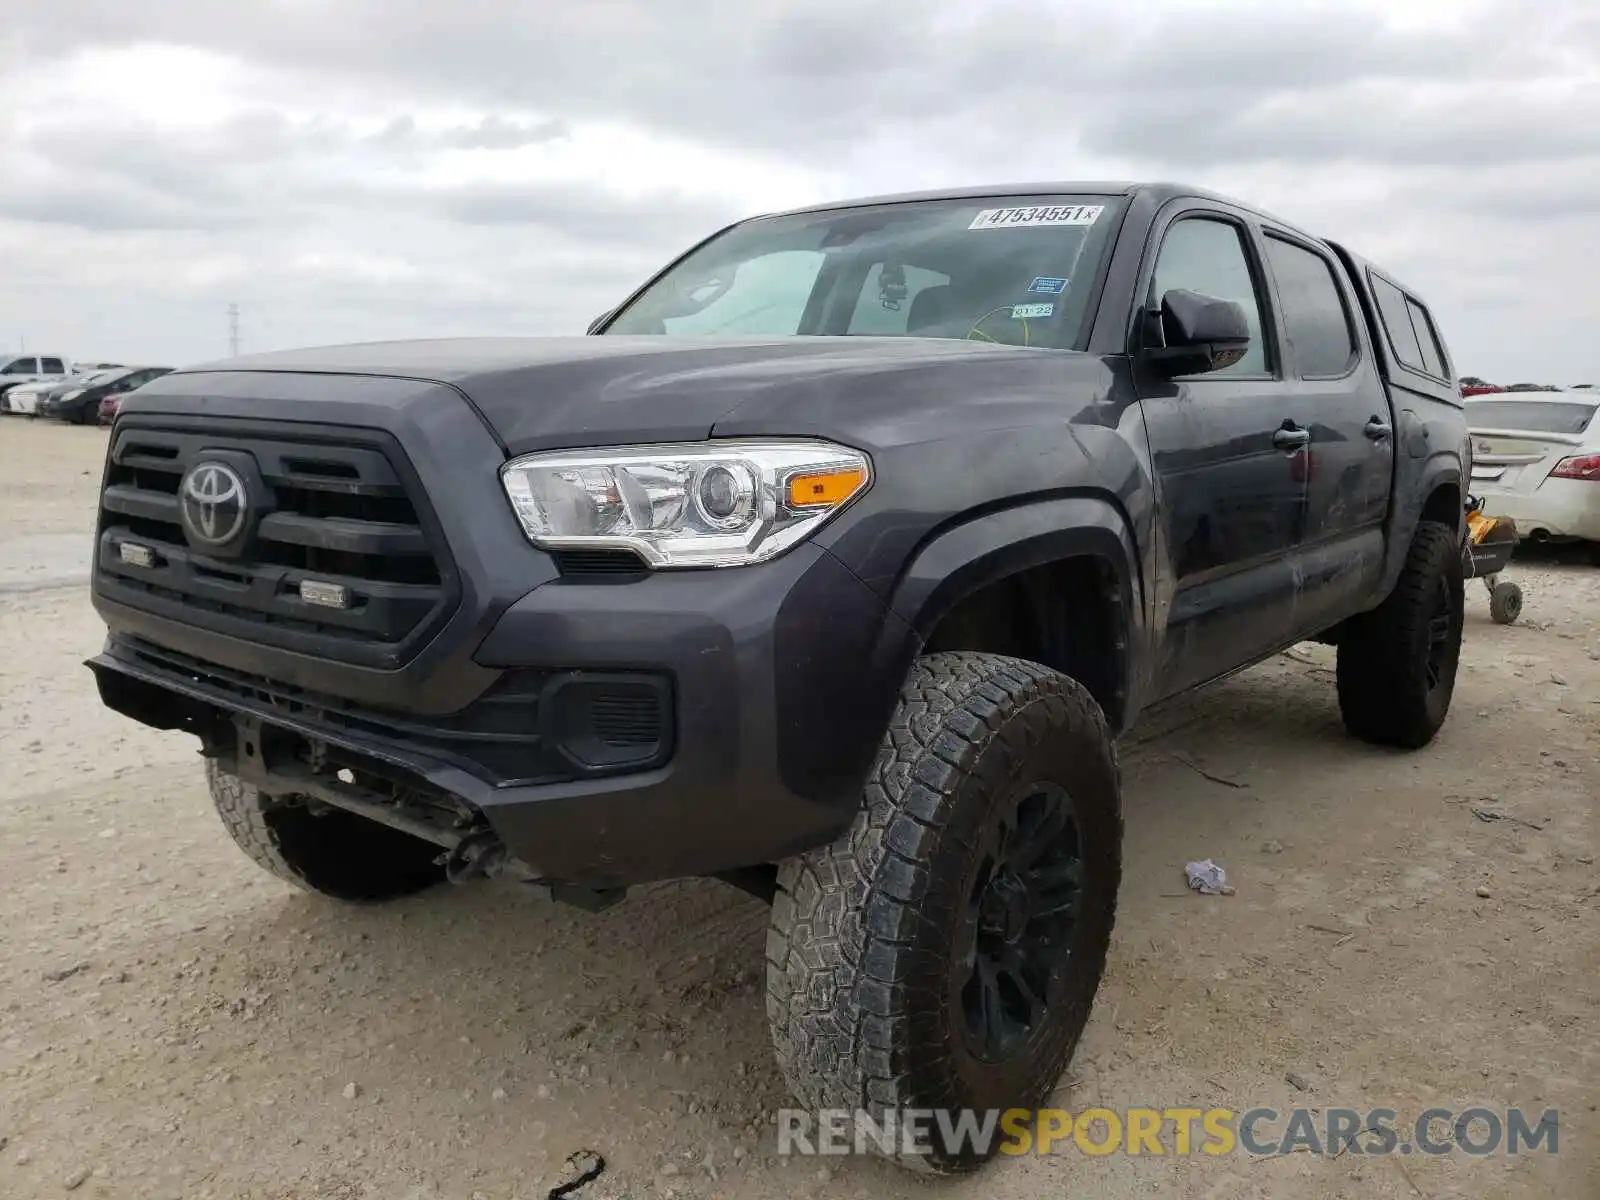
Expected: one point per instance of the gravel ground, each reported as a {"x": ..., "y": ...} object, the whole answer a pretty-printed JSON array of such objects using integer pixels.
[{"x": 173, "y": 1022}]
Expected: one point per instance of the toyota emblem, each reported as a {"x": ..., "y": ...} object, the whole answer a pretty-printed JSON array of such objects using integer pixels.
[{"x": 213, "y": 503}]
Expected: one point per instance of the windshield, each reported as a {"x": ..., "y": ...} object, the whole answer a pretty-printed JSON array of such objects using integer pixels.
[
  {"x": 1017, "y": 272},
  {"x": 1534, "y": 416}
]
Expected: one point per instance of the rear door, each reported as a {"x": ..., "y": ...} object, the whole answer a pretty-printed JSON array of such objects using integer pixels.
[
  {"x": 1518, "y": 438},
  {"x": 1336, "y": 393}
]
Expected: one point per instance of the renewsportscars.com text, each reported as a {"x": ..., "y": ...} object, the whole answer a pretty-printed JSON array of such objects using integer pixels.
[{"x": 1167, "y": 1131}]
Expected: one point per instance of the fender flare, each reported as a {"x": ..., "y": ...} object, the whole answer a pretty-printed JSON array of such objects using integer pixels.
[
  {"x": 962, "y": 558},
  {"x": 979, "y": 549},
  {"x": 1440, "y": 469}
]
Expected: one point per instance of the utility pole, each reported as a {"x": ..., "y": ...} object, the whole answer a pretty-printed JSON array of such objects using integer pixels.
[{"x": 233, "y": 330}]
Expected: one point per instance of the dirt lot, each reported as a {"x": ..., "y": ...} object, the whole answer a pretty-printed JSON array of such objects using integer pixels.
[{"x": 173, "y": 1022}]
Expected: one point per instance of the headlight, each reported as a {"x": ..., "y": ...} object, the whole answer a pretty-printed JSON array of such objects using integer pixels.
[
  {"x": 73, "y": 394},
  {"x": 702, "y": 504}
]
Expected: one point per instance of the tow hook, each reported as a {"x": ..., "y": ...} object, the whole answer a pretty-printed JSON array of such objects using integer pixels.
[{"x": 482, "y": 855}]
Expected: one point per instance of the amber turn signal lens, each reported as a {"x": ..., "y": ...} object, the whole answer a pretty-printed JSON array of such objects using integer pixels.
[{"x": 825, "y": 488}]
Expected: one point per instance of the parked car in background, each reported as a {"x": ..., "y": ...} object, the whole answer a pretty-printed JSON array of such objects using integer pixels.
[
  {"x": 81, "y": 375},
  {"x": 23, "y": 398},
  {"x": 32, "y": 368},
  {"x": 1536, "y": 459},
  {"x": 80, "y": 402}
]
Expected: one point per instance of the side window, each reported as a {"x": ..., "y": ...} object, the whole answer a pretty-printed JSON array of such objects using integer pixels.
[
  {"x": 873, "y": 319},
  {"x": 51, "y": 366},
  {"x": 1315, "y": 319},
  {"x": 22, "y": 366},
  {"x": 1427, "y": 339},
  {"x": 767, "y": 293},
  {"x": 1396, "y": 316},
  {"x": 1206, "y": 255}
]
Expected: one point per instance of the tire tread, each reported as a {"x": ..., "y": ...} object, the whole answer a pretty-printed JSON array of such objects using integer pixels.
[
  {"x": 1381, "y": 677},
  {"x": 841, "y": 947}
]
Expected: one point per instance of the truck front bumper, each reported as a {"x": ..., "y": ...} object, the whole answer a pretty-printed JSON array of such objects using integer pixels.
[{"x": 668, "y": 725}]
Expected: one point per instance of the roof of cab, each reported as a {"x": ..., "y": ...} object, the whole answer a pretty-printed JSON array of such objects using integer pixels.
[{"x": 1158, "y": 191}]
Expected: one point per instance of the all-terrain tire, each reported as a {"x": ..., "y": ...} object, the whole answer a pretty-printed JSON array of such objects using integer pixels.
[
  {"x": 870, "y": 970},
  {"x": 334, "y": 853},
  {"x": 1397, "y": 663}
]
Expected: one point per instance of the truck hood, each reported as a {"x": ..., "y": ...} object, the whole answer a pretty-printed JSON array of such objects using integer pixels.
[{"x": 562, "y": 392}]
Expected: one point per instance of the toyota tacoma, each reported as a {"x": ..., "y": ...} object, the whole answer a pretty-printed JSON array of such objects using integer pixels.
[{"x": 831, "y": 563}]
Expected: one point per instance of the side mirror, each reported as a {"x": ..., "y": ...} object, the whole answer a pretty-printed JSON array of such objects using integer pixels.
[
  {"x": 1202, "y": 333},
  {"x": 594, "y": 325}
]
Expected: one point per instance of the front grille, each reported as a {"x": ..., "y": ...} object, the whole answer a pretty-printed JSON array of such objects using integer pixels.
[
  {"x": 532, "y": 727},
  {"x": 331, "y": 511}
]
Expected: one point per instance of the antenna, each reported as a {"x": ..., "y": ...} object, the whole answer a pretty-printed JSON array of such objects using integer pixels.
[{"x": 233, "y": 330}]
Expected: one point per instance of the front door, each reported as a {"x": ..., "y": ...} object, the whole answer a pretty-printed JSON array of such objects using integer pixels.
[{"x": 1225, "y": 455}]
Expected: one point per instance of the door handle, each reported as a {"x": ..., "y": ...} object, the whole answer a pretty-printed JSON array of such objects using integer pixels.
[
  {"x": 1377, "y": 429},
  {"x": 1291, "y": 438}
]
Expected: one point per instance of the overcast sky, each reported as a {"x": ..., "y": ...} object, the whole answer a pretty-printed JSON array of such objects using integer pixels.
[{"x": 349, "y": 170}]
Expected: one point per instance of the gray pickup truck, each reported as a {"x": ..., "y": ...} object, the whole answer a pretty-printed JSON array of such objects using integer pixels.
[{"x": 831, "y": 564}]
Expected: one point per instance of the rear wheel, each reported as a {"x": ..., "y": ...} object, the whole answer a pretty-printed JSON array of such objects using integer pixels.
[
  {"x": 1397, "y": 663},
  {"x": 944, "y": 953},
  {"x": 326, "y": 850}
]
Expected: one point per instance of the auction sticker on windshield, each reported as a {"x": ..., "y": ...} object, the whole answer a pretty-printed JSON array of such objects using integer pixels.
[{"x": 1058, "y": 214}]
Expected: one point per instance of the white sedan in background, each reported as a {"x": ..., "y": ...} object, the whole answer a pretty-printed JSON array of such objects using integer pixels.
[{"x": 1536, "y": 459}]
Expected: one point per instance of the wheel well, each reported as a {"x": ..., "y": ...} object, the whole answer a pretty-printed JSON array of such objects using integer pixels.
[
  {"x": 1067, "y": 615},
  {"x": 1444, "y": 504}
]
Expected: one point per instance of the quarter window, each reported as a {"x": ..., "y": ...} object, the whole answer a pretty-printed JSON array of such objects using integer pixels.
[
  {"x": 1422, "y": 326},
  {"x": 1410, "y": 327},
  {"x": 1315, "y": 319},
  {"x": 1205, "y": 255},
  {"x": 1397, "y": 321},
  {"x": 51, "y": 366}
]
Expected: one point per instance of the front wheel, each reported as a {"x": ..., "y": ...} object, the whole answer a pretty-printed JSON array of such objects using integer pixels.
[
  {"x": 329, "y": 851},
  {"x": 1397, "y": 663},
  {"x": 943, "y": 955}
]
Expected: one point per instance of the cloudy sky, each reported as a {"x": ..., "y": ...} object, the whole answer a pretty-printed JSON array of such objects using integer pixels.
[{"x": 357, "y": 169}]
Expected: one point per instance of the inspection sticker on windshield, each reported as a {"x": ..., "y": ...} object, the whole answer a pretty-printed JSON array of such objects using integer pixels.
[
  {"x": 1057, "y": 214},
  {"x": 1029, "y": 312},
  {"x": 1049, "y": 285}
]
